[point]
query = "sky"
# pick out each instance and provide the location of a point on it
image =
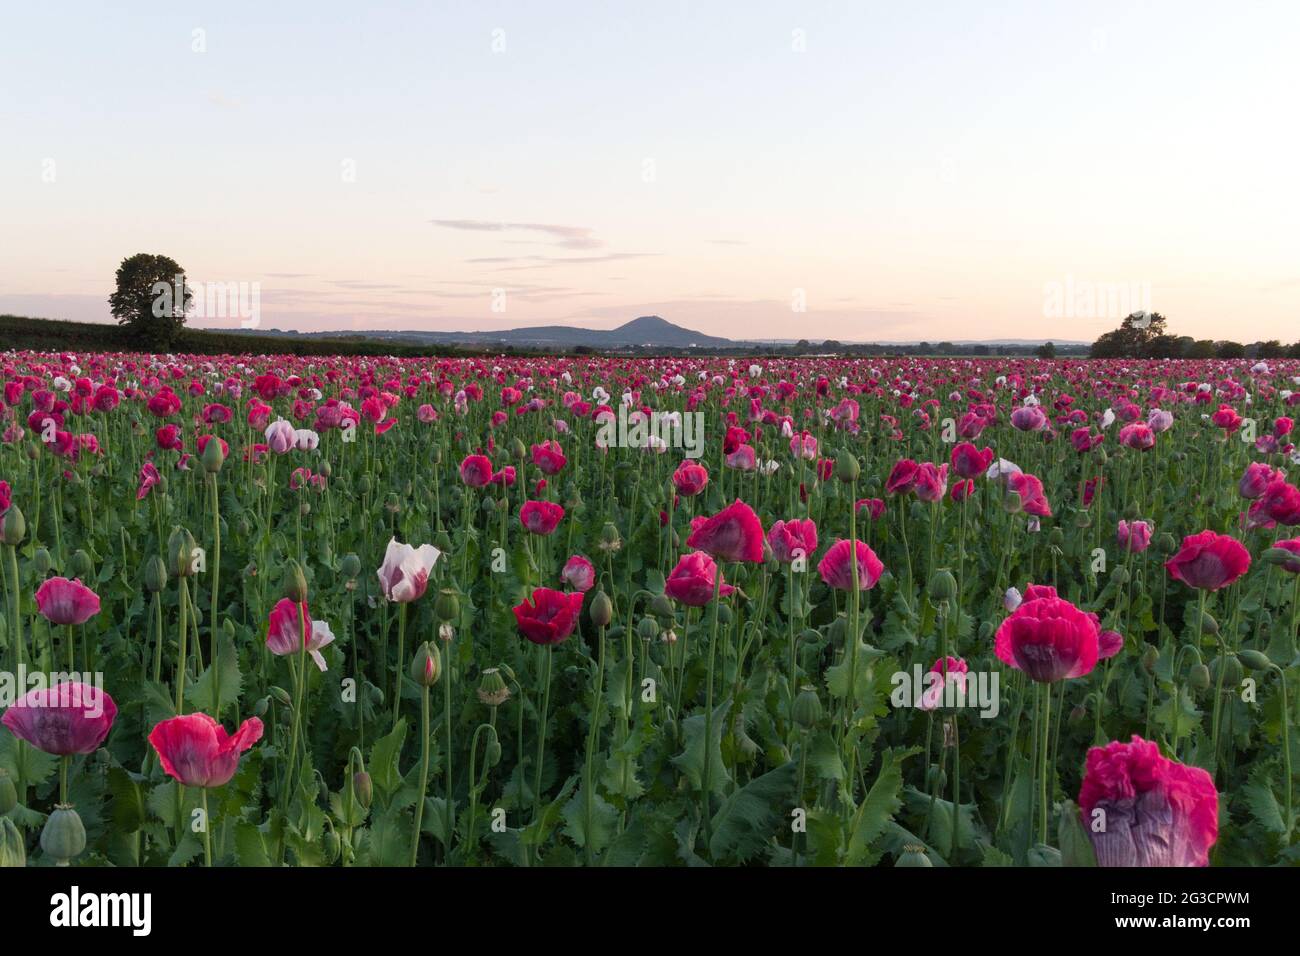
(857, 171)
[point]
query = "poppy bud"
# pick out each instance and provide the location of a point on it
(363, 788)
(1199, 676)
(846, 467)
(492, 688)
(1040, 854)
(936, 780)
(492, 752)
(80, 566)
(602, 610)
(517, 449)
(839, 627)
(426, 668)
(986, 631)
(213, 457)
(14, 527)
(42, 561)
(1150, 658)
(13, 851)
(363, 483)
(155, 574)
(261, 706)
(913, 856)
(1209, 625)
(1132, 512)
(180, 553)
(64, 835)
(8, 795)
(1083, 520)
(1166, 543)
(807, 710)
(1255, 660)
(662, 607)
(1056, 538)
(1077, 713)
(281, 696)
(331, 844)
(943, 586)
(647, 629)
(1120, 575)
(294, 585)
(442, 541)
(447, 606)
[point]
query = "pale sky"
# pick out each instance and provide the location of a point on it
(928, 170)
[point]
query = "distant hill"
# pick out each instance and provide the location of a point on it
(647, 331)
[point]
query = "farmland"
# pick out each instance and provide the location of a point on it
(416, 611)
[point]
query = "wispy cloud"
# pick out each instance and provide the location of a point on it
(519, 263)
(566, 237)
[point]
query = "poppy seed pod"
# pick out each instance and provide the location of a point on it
(1056, 538)
(80, 565)
(1120, 575)
(426, 668)
(1231, 670)
(294, 585)
(64, 835)
(13, 850)
(602, 609)
(492, 689)
(1083, 520)
(1132, 512)
(647, 629)
(846, 467)
(155, 574)
(807, 709)
(943, 586)
(14, 527)
(42, 561)
(350, 566)
(1166, 543)
(610, 539)
(447, 606)
(913, 856)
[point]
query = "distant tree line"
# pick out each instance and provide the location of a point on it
(1143, 335)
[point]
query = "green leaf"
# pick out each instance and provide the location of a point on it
(250, 847)
(128, 802)
(752, 816)
(691, 760)
(200, 693)
(879, 807)
(604, 821)
(384, 756)
(1262, 803)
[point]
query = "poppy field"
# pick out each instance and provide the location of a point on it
(600, 611)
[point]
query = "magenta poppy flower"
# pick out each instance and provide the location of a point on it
(549, 457)
(690, 478)
(1049, 639)
(692, 581)
(61, 601)
(287, 623)
(196, 750)
(1029, 418)
(476, 470)
(579, 573)
(1256, 479)
(792, 539)
(1133, 536)
(836, 570)
(1209, 560)
(1030, 492)
(970, 462)
(540, 517)
(901, 477)
(930, 482)
(1155, 811)
(68, 718)
(549, 616)
(733, 534)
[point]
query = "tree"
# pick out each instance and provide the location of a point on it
(1229, 350)
(152, 298)
(1046, 351)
